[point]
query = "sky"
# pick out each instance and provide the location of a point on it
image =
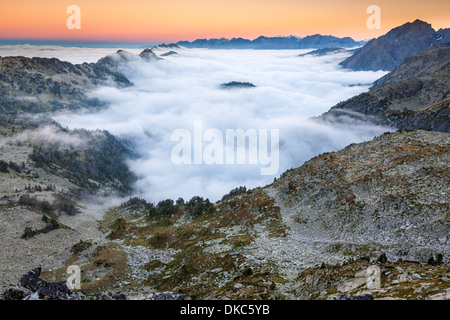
(174, 20)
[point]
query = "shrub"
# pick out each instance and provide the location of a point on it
(234, 192)
(164, 208)
(197, 205)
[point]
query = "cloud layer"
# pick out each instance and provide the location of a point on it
(181, 89)
(74, 55)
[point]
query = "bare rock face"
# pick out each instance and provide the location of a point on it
(388, 51)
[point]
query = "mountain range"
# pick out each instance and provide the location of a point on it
(311, 234)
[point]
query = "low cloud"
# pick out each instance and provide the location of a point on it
(50, 135)
(75, 55)
(176, 92)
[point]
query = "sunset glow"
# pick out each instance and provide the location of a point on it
(173, 20)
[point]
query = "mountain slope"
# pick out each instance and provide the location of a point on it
(42, 84)
(35, 85)
(414, 96)
(388, 52)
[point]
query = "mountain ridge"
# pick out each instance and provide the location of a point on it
(35, 85)
(388, 51)
(413, 96)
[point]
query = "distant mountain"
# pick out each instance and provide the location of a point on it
(167, 46)
(414, 96)
(113, 61)
(149, 55)
(42, 84)
(170, 53)
(324, 52)
(420, 65)
(291, 42)
(36, 85)
(237, 84)
(388, 52)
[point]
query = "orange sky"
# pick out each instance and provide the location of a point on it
(173, 20)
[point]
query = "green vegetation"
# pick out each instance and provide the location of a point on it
(51, 224)
(4, 166)
(80, 247)
(194, 207)
(198, 205)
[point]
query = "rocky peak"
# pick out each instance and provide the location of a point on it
(149, 55)
(115, 59)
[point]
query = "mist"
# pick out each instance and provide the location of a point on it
(183, 89)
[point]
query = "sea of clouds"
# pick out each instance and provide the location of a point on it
(184, 89)
(75, 55)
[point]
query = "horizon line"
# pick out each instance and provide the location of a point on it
(141, 42)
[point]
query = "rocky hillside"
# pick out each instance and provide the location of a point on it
(324, 52)
(423, 64)
(413, 96)
(35, 85)
(389, 51)
(307, 235)
(54, 185)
